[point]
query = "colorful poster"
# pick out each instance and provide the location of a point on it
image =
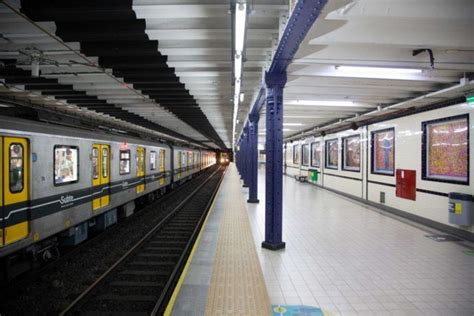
(305, 153)
(296, 154)
(332, 154)
(316, 154)
(384, 151)
(447, 150)
(352, 153)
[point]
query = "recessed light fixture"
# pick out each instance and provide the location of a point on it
(293, 124)
(376, 72)
(320, 103)
(239, 33)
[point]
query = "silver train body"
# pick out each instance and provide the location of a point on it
(108, 175)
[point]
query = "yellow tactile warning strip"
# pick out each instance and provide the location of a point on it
(237, 283)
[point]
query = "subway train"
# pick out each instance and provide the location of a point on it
(60, 183)
(407, 165)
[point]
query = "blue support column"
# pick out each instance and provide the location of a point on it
(274, 159)
(244, 158)
(238, 156)
(253, 158)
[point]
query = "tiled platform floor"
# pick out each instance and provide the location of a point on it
(351, 260)
(225, 277)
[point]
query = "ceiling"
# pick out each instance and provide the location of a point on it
(375, 33)
(165, 65)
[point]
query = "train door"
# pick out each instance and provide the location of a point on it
(162, 166)
(14, 189)
(101, 174)
(140, 167)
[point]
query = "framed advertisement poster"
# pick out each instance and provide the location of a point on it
(305, 155)
(332, 154)
(383, 152)
(445, 150)
(351, 153)
(296, 154)
(316, 154)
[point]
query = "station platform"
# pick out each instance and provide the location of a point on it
(341, 258)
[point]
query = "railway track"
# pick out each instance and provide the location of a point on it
(141, 281)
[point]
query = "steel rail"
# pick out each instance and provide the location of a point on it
(76, 302)
(187, 249)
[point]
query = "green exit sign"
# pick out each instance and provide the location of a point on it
(470, 99)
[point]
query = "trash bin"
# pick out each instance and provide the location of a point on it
(460, 209)
(313, 175)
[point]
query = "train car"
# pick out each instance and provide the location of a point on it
(58, 183)
(407, 166)
(208, 158)
(185, 162)
(223, 158)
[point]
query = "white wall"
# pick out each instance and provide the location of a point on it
(408, 155)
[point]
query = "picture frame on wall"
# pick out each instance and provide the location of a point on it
(351, 153)
(296, 154)
(305, 154)
(445, 150)
(332, 154)
(316, 154)
(383, 152)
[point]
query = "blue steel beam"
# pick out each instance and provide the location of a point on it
(300, 22)
(253, 159)
(245, 157)
(274, 162)
(302, 18)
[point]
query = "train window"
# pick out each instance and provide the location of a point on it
(66, 164)
(184, 157)
(153, 160)
(16, 168)
(95, 163)
(332, 154)
(124, 162)
(296, 154)
(105, 162)
(383, 152)
(351, 153)
(305, 154)
(316, 154)
(445, 150)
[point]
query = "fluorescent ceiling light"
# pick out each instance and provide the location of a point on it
(240, 19)
(293, 124)
(320, 103)
(238, 67)
(377, 72)
(310, 116)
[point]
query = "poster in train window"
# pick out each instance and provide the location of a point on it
(153, 160)
(16, 168)
(316, 154)
(124, 164)
(296, 154)
(446, 150)
(351, 152)
(66, 164)
(383, 152)
(332, 154)
(305, 154)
